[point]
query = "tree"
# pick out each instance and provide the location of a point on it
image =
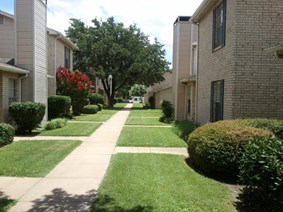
(110, 48)
(137, 90)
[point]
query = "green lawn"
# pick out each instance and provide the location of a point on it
(5, 204)
(156, 182)
(151, 137)
(145, 121)
(33, 158)
(101, 116)
(146, 113)
(73, 129)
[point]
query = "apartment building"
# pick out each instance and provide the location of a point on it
(29, 55)
(236, 77)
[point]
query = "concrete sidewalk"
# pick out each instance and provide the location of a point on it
(72, 184)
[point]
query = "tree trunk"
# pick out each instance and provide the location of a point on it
(110, 100)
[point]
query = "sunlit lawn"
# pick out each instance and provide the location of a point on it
(151, 137)
(34, 158)
(145, 121)
(101, 116)
(73, 129)
(156, 182)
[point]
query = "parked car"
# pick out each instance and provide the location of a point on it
(136, 99)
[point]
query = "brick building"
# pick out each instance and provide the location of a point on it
(236, 77)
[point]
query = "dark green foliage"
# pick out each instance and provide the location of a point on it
(184, 128)
(7, 133)
(261, 169)
(273, 125)
(119, 100)
(100, 106)
(90, 109)
(137, 90)
(58, 106)
(151, 101)
(56, 123)
(96, 98)
(216, 148)
(78, 104)
(27, 115)
(165, 119)
(167, 108)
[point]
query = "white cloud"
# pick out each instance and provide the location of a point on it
(155, 18)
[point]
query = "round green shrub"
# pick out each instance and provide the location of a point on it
(261, 169)
(90, 109)
(78, 105)
(216, 148)
(55, 124)
(167, 108)
(96, 98)
(58, 106)
(7, 133)
(27, 115)
(100, 106)
(273, 125)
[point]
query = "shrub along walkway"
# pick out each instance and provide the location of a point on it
(72, 184)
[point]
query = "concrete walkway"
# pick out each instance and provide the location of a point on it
(72, 184)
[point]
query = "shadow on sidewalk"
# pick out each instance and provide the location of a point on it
(5, 201)
(60, 200)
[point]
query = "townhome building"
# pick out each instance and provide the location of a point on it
(29, 55)
(237, 77)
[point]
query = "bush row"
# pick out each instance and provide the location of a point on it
(250, 150)
(7, 133)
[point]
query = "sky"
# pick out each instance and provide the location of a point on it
(154, 17)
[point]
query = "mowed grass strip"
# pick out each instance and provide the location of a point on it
(146, 113)
(72, 129)
(156, 182)
(100, 116)
(34, 158)
(149, 137)
(145, 121)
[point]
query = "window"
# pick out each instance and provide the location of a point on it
(219, 26)
(217, 97)
(67, 58)
(11, 91)
(1, 20)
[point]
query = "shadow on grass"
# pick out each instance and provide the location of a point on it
(105, 203)
(5, 202)
(222, 179)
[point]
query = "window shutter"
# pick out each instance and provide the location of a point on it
(211, 101)
(221, 98)
(224, 22)
(213, 29)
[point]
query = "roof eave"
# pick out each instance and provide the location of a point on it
(62, 38)
(12, 69)
(202, 10)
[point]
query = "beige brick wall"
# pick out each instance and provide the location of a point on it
(215, 65)
(165, 94)
(7, 38)
(259, 75)
(253, 79)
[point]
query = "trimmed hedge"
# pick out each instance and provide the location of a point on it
(96, 98)
(90, 109)
(27, 115)
(273, 125)
(55, 124)
(184, 128)
(100, 106)
(7, 133)
(261, 169)
(216, 148)
(167, 108)
(58, 106)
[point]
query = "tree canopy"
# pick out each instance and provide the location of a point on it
(137, 90)
(125, 53)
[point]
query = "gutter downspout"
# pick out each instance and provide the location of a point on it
(55, 56)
